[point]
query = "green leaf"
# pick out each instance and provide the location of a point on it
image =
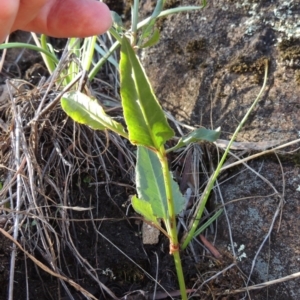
(147, 30)
(144, 208)
(151, 186)
(145, 119)
(208, 222)
(117, 20)
(153, 39)
(88, 111)
(200, 134)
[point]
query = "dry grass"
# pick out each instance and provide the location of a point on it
(44, 155)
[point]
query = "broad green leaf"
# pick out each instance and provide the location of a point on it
(200, 134)
(144, 208)
(88, 111)
(153, 39)
(145, 119)
(151, 187)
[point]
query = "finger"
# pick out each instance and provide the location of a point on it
(28, 11)
(69, 18)
(8, 14)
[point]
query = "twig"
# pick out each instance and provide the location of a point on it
(260, 154)
(260, 285)
(3, 55)
(17, 145)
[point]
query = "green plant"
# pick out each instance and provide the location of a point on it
(147, 128)
(158, 194)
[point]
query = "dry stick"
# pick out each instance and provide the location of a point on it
(260, 285)
(215, 276)
(19, 170)
(45, 238)
(46, 269)
(3, 54)
(53, 77)
(156, 275)
(44, 235)
(283, 190)
(57, 98)
(17, 144)
(259, 154)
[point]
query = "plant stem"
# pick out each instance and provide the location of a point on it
(180, 275)
(88, 52)
(102, 61)
(170, 222)
(199, 210)
(134, 21)
(48, 62)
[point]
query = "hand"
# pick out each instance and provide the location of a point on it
(57, 18)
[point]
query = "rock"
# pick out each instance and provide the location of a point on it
(207, 70)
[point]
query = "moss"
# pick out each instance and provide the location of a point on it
(128, 273)
(195, 50)
(285, 44)
(175, 47)
(292, 52)
(246, 65)
(196, 45)
(290, 49)
(297, 76)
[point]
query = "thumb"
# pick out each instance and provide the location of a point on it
(72, 18)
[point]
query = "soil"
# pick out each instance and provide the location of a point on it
(207, 70)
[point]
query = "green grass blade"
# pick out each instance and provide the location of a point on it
(88, 111)
(147, 30)
(103, 60)
(145, 119)
(170, 11)
(208, 222)
(47, 60)
(201, 205)
(31, 47)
